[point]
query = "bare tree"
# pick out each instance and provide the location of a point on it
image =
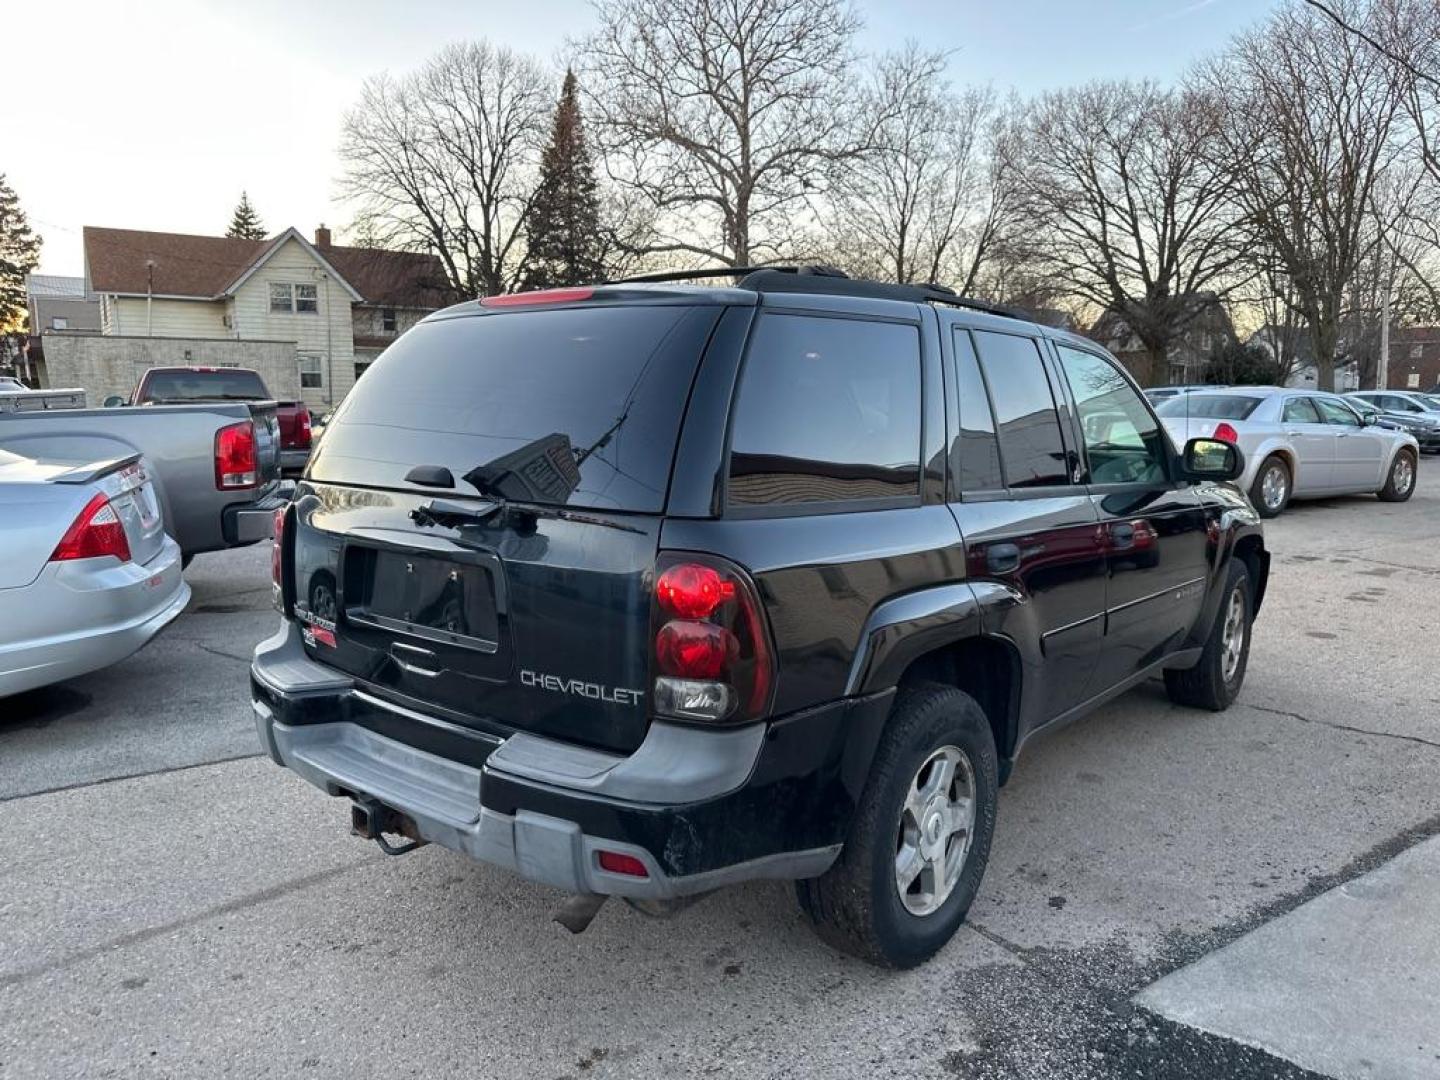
(906, 206)
(1130, 189)
(444, 160)
(726, 116)
(1311, 122)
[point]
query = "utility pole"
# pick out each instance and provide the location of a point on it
(1382, 363)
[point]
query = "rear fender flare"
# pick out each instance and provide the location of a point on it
(904, 628)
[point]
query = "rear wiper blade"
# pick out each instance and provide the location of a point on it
(455, 515)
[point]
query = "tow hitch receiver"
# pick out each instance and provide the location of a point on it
(371, 819)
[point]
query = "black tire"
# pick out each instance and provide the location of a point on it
(856, 905)
(1257, 489)
(1400, 480)
(1205, 686)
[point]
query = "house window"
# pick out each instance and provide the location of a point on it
(57, 323)
(1417, 351)
(312, 371)
(387, 320)
(286, 298)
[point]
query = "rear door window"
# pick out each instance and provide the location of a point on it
(828, 411)
(1031, 449)
(574, 406)
(975, 455)
(1301, 410)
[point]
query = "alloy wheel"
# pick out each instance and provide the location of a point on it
(937, 825)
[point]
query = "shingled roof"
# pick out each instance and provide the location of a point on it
(119, 261)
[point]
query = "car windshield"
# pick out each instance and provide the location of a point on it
(219, 385)
(1209, 406)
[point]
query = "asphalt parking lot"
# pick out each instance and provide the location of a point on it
(174, 905)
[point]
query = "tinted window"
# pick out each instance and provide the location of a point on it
(1209, 406)
(975, 455)
(1332, 412)
(223, 385)
(577, 406)
(1123, 443)
(828, 409)
(1031, 450)
(1301, 410)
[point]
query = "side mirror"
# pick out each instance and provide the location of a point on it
(114, 401)
(1212, 459)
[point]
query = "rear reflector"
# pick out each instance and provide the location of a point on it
(619, 863)
(97, 531)
(538, 296)
(235, 456)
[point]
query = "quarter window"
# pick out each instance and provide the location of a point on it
(1031, 448)
(1299, 410)
(1122, 440)
(828, 410)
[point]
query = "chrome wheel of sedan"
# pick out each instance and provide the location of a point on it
(936, 827)
(1402, 474)
(1232, 634)
(1274, 486)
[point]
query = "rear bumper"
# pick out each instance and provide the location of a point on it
(293, 462)
(248, 523)
(78, 617)
(699, 808)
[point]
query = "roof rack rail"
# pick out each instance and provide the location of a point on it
(725, 271)
(829, 280)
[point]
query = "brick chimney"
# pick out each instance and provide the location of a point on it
(322, 237)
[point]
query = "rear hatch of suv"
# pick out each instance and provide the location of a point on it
(477, 531)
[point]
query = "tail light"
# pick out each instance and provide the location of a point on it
(95, 532)
(1225, 433)
(303, 431)
(711, 653)
(235, 465)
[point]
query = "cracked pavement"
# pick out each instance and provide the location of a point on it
(171, 904)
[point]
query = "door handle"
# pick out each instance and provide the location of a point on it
(1002, 558)
(1292, 434)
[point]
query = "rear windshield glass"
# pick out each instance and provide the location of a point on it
(1208, 406)
(205, 386)
(568, 407)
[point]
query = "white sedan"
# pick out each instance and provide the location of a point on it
(88, 574)
(1300, 444)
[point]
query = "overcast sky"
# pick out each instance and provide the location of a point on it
(155, 114)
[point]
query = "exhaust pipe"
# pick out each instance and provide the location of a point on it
(577, 912)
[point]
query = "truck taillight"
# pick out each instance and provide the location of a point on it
(303, 431)
(235, 465)
(96, 531)
(711, 651)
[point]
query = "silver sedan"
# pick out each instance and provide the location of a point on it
(87, 575)
(1298, 444)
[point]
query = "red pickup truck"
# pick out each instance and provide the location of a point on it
(183, 385)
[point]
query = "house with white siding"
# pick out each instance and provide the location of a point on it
(339, 306)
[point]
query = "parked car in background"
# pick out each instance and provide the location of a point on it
(1401, 403)
(20, 398)
(1298, 444)
(1425, 428)
(183, 385)
(1157, 394)
(716, 584)
(215, 466)
(89, 575)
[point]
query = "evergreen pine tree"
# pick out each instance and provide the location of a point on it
(565, 245)
(245, 222)
(19, 254)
